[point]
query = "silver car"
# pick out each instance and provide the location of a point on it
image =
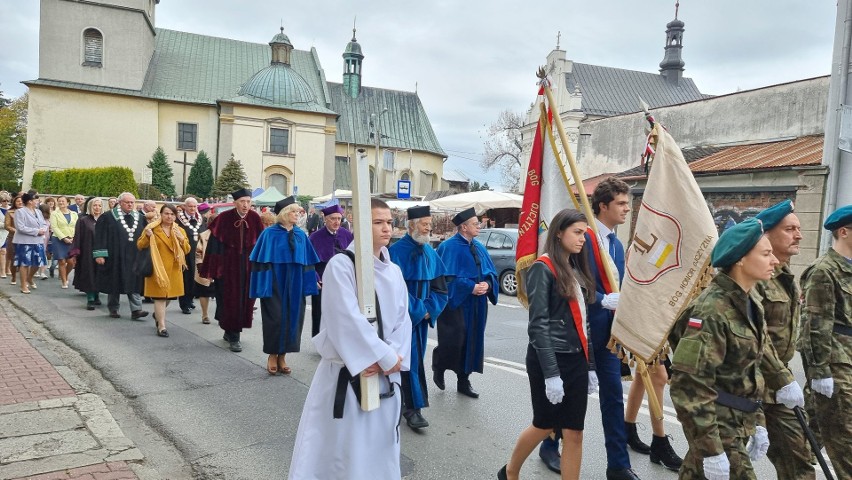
(501, 244)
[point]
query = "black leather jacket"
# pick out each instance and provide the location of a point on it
(551, 328)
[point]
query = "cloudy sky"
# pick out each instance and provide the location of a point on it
(471, 59)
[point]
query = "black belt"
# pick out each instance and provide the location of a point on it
(843, 329)
(742, 404)
(344, 378)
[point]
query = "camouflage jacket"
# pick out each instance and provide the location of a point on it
(716, 347)
(781, 309)
(827, 288)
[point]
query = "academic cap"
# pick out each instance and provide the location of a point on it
(281, 204)
(840, 218)
(243, 192)
(332, 210)
(203, 207)
(773, 215)
(464, 216)
(736, 242)
(418, 212)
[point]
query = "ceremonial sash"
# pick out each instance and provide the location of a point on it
(598, 261)
(576, 312)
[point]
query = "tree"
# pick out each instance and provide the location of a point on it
(474, 187)
(232, 178)
(13, 141)
(502, 148)
(200, 181)
(161, 172)
(485, 186)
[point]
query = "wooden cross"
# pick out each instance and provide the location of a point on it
(184, 163)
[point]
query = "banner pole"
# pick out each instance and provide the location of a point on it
(641, 368)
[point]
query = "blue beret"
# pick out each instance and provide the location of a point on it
(735, 243)
(840, 218)
(773, 215)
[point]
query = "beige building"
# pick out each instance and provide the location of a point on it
(112, 88)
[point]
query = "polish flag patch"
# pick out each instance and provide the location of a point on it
(695, 323)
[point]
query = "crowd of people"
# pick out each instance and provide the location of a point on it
(731, 385)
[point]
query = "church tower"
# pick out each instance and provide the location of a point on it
(671, 68)
(106, 43)
(352, 58)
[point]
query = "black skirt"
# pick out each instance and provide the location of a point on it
(200, 290)
(571, 412)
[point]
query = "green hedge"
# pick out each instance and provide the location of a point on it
(102, 181)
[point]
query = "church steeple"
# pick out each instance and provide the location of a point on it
(281, 48)
(671, 68)
(352, 58)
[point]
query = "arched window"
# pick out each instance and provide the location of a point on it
(278, 181)
(93, 48)
(405, 176)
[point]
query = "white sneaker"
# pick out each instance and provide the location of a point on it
(43, 276)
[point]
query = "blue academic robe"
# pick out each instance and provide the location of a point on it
(423, 271)
(282, 274)
(461, 347)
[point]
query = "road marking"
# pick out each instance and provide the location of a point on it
(507, 305)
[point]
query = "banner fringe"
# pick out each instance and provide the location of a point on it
(522, 264)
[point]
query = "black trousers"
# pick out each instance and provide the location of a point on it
(316, 313)
(449, 354)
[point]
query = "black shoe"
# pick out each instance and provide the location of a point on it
(147, 300)
(663, 454)
(98, 303)
(90, 306)
(415, 419)
(637, 445)
(163, 333)
(549, 453)
(185, 311)
(465, 388)
(137, 314)
(501, 475)
(51, 272)
(114, 314)
(438, 377)
(623, 474)
(192, 306)
(235, 346)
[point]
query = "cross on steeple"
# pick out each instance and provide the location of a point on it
(558, 37)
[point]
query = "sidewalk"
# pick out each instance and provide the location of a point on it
(49, 431)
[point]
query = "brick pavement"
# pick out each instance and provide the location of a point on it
(101, 471)
(25, 375)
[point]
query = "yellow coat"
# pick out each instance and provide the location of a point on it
(165, 260)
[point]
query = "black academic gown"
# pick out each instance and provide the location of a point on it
(189, 273)
(116, 275)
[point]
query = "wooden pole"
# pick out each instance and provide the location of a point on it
(364, 274)
(641, 368)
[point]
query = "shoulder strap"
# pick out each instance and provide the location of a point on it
(381, 332)
(574, 305)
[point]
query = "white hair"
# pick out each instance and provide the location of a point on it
(124, 194)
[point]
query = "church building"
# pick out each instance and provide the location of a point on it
(113, 87)
(585, 92)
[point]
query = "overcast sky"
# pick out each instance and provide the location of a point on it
(472, 59)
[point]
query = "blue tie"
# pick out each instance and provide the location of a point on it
(611, 237)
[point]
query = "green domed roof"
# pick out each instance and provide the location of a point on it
(353, 47)
(281, 38)
(281, 85)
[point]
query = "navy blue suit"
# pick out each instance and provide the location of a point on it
(608, 366)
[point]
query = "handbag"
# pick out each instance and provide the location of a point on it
(143, 265)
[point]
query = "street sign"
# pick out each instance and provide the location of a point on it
(403, 189)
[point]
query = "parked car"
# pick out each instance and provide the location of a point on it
(501, 244)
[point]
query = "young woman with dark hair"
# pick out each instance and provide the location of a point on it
(559, 284)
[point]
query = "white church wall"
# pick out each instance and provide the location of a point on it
(206, 119)
(75, 129)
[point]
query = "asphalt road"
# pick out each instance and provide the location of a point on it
(231, 420)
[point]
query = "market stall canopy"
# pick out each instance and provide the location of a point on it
(405, 204)
(480, 201)
(337, 194)
(268, 198)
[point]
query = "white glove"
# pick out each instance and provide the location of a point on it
(758, 444)
(717, 467)
(593, 382)
(610, 301)
(554, 390)
(824, 386)
(791, 396)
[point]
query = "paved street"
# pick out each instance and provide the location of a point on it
(230, 420)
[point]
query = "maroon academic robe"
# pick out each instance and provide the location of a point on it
(227, 262)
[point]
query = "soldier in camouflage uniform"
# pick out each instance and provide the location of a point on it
(788, 447)
(827, 339)
(722, 357)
